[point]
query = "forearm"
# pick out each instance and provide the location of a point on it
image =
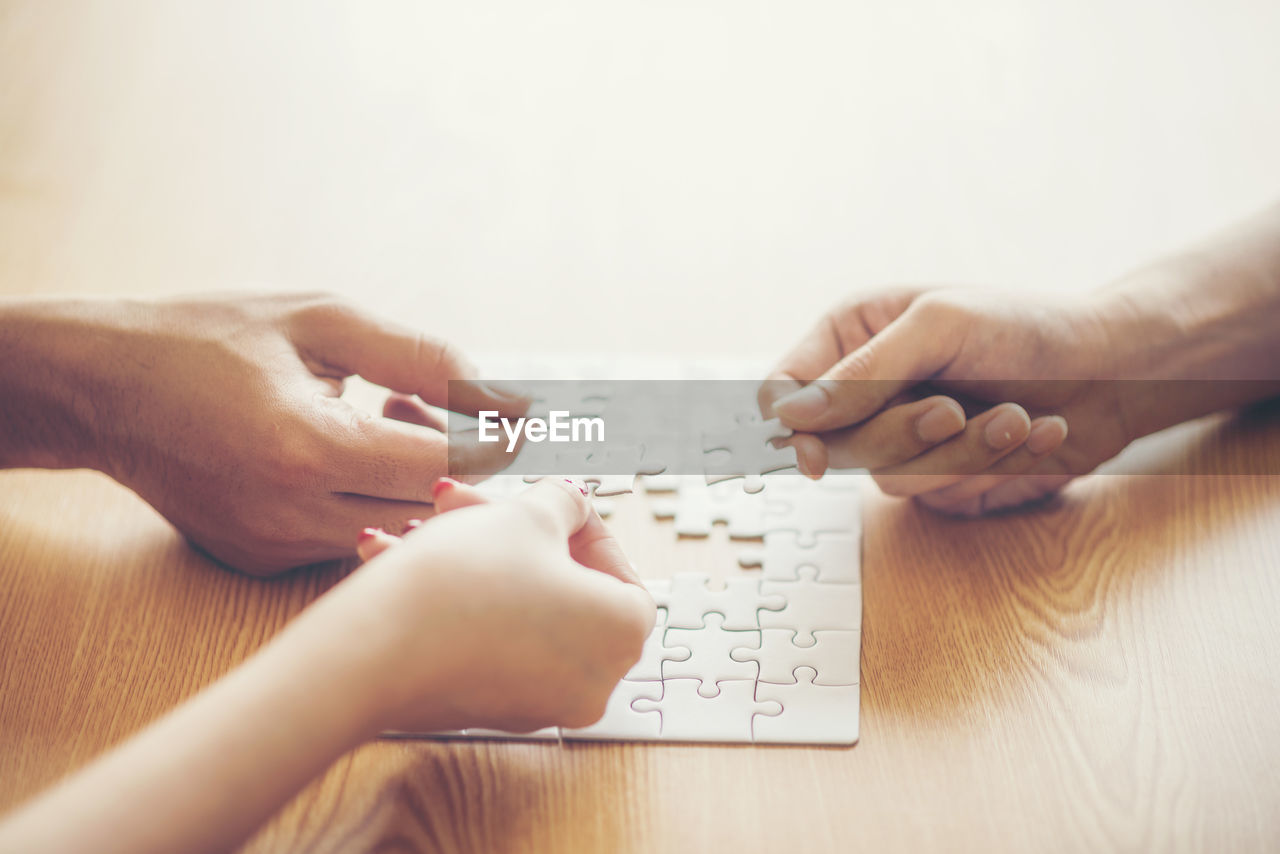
(1199, 331)
(205, 776)
(50, 352)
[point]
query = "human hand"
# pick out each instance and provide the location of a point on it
(224, 414)
(1029, 369)
(512, 615)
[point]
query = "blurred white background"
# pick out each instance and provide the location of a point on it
(696, 177)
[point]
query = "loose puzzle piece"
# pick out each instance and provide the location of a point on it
(708, 656)
(621, 720)
(575, 396)
(813, 713)
(746, 450)
(835, 656)
(661, 482)
(698, 506)
(836, 557)
(812, 606)
(837, 480)
(687, 715)
(740, 602)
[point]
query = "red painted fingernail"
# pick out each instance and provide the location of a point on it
(369, 534)
(581, 487)
(442, 485)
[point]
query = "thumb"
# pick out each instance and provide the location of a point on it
(558, 505)
(909, 350)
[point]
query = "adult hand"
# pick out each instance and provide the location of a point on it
(1027, 368)
(224, 413)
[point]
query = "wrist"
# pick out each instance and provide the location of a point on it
(1187, 337)
(50, 353)
(347, 646)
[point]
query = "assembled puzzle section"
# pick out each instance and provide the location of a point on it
(769, 656)
(772, 654)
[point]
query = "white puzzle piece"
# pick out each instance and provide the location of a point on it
(812, 606)
(698, 506)
(687, 715)
(621, 721)
(809, 510)
(708, 656)
(746, 449)
(835, 556)
(835, 656)
(689, 599)
(773, 656)
(661, 482)
(825, 714)
(655, 652)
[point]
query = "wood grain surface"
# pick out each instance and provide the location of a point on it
(1100, 674)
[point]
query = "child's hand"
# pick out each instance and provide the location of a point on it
(513, 615)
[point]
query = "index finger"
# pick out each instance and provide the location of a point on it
(841, 331)
(401, 359)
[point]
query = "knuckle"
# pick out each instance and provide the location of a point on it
(438, 357)
(324, 309)
(857, 364)
(294, 462)
(937, 307)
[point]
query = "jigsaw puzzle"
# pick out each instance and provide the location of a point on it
(698, 506)
(772, 654)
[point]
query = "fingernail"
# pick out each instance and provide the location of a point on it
(442, 485)
(368, 535)
(806, 404)
(1046, 434)
(1005, 430)
(939, 422)
(413, 523)
(577, 484)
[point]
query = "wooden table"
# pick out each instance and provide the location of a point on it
(1099, 674)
